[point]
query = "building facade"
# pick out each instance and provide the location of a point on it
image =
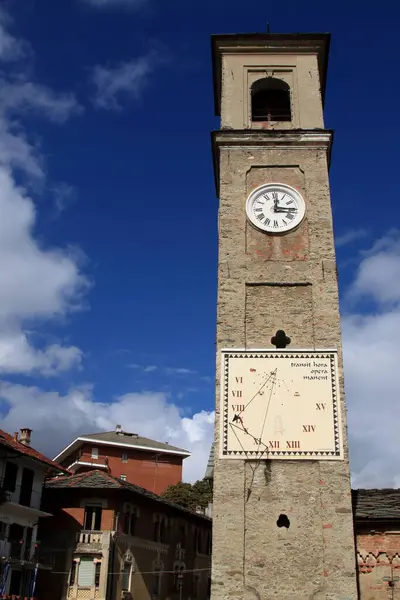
(377, 527)
(110, 539)
(133, 458)
(22, 474)
(282, 516)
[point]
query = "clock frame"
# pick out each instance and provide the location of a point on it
(275, 208)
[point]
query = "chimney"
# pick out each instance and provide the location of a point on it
(16, 436)
(118, 428)
(25, 436)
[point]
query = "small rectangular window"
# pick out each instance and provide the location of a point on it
(123, 477)
(196, 581)
(97, 574)
(95, 453)
(10, 477)
(124, 457)
(92, 518)
(72, 574)
(156, 583)
(126, 576)
(26, 487)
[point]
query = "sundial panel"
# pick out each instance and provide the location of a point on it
(280, 405)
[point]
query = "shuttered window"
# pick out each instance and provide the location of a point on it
(126, 575)
(86, 572)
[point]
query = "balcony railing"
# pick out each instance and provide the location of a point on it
(86, 459)
(88, 537)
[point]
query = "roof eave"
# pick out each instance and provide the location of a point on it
(81, 439)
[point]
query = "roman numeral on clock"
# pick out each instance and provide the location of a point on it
(261, 216)
(275, 223)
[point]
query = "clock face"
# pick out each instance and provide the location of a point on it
(280, 405)
(275, 208)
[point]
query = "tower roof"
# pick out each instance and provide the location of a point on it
(286, 43)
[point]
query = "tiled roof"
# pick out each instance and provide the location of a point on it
(10, 442)
(376, 504)
(99, 480)
(124, 437)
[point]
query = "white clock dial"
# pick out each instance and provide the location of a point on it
(275, 208)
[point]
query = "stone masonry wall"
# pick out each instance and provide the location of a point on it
(269, 283)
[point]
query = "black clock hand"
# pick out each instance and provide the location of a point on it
(285, 209)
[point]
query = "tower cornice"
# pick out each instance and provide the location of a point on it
(282, 138)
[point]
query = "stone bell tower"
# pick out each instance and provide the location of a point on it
(282, 516)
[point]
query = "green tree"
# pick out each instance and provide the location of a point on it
(190, 495)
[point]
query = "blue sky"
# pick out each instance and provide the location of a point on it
(108, 216)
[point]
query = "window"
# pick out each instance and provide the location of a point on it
(160, 530)
(92, 519)
(10, 477)
(156, 582)
(95, 453)
(196, 582)
(16, 537)
(208, 543)
(270, 100)
(182, 535)
(124, 457)
(26, 487)
(3, 529)
(72, 573)
(130, 517)
(197, 539)
(123, 477)
(97, 574)
(28, 543)
(86, 572)
(178, 577)
(126, 576)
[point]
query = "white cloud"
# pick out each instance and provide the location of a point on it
(372, 375)
(22, 96)
(57, 420)
(350, 236)
(11, 48)
(179, 371)
(127, 80)
(117, 3)
(17, 355)
(167, 370)
(378, 277)
(37, 283)
(63, 194)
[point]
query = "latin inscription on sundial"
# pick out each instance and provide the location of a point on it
(280, 405)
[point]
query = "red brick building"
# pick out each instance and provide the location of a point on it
(109, 540)
(128, 456)
(377, 528)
